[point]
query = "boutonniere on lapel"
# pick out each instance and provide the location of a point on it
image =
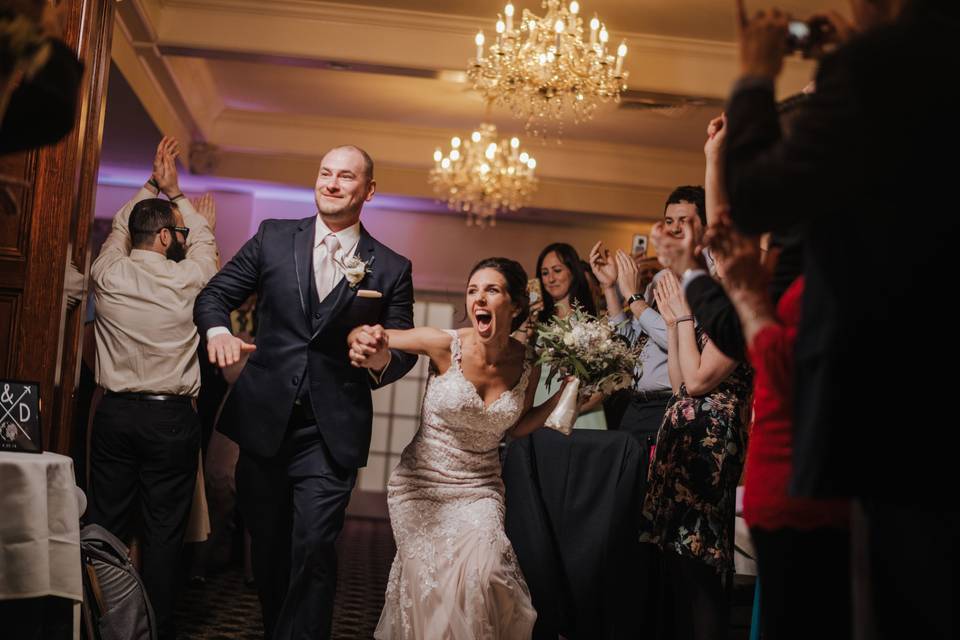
(354, 269)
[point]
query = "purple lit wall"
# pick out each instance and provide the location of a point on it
(441, 246)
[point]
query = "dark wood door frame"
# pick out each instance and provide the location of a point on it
(45, 223)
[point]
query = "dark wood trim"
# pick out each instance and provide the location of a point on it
(47, 347)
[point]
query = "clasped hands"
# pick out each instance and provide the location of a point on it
(369, 347)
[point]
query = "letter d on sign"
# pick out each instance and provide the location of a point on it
(24, 412)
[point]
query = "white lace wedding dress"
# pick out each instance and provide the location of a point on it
(455, 575)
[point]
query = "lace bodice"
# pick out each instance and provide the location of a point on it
(452, 405)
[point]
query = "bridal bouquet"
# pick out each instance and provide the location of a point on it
(590, 350)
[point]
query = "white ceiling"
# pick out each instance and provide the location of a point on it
(421, 102)
(253, 78)
(697, 19)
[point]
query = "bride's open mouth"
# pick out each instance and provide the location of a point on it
(484, 322)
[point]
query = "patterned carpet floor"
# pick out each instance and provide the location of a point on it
(226, 609)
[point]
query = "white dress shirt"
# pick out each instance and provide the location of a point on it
(146, 338)
(348, 238)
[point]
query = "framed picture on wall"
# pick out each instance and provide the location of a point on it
(639, 245)
(20, 416)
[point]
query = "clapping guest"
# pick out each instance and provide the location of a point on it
(146, 433)
(624, 283)
(689, 507)
(619, 278)
(802, 544)
(564, 284)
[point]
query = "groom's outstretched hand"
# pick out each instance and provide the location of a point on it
(226, 350)
(369, 347)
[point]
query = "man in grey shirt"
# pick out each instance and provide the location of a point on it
(617, 274)
(651, 388)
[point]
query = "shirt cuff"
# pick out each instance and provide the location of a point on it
(216, 331)
(377, 376)
(690, 275)
(618, 318)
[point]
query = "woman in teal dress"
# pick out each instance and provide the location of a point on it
(563, 283)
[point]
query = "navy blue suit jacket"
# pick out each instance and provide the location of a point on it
(297, 337)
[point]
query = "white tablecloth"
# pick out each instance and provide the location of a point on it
(39, 527)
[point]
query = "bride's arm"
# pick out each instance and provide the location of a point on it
(427, 341)
(423, 341)
(534, 417)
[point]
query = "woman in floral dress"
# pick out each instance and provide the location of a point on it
(689, 507)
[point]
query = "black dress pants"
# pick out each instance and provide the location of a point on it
(804, 583)
(642, 420)
(143, 465)
(293, 505)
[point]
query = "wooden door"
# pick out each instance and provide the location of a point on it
(46, 207)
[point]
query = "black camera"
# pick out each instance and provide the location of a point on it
(808, 37)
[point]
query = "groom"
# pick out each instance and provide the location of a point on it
(300, 413)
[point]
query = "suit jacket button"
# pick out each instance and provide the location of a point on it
(296, 380)
(317, 315)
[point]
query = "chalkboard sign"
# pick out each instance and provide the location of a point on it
(20, 416)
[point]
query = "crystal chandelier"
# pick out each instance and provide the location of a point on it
(543, 67)
(482, 175)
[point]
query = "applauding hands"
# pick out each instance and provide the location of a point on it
(679, 253)
(671, 302)
(165, 167)
(617, 270)
(206, 207)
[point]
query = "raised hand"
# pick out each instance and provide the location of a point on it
(662, 307)
(165, 166)
(671, 302)
(225, 350)
(763, 41)
(716, 137)
(207, 208)
(739, 259)
(626, 274)
(603, 266)
(369, 347)
(679, 254)
(832, 31)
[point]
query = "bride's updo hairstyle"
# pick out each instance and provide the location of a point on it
(516, 279)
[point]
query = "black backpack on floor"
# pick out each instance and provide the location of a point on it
(116, 606)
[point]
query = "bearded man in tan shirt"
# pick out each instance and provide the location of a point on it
(146, 433)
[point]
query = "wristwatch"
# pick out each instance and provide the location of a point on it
(637, 297)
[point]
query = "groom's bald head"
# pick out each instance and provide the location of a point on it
(365, 157)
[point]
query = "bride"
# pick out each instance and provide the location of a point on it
(455, 575)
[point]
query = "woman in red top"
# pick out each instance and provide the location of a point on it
(802, 544)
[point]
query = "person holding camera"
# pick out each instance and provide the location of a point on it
(856, 163)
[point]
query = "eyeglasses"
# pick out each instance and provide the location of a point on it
(184, 230)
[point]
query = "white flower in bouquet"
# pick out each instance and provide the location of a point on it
(590, 350)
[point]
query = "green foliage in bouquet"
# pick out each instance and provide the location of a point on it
(588, 348)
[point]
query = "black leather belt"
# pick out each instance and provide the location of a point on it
(139, 395)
